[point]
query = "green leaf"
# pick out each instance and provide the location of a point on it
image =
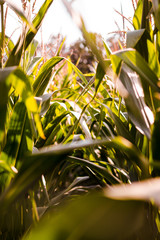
(145, 15)
(4, 90)
(14, 134)
(21, 83)
(9, 45)
(96, 168)
(135, 61)
(13, 141)
(156, 10)
(121, 128)
(138, 15)
(44, 75)
(99, 75)
(129, 87)
(36, 164)
(153, 61)
(77, 71)
(93, 217)
(49, 130)
(154, 143)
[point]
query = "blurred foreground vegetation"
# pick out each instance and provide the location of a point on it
(80, 132)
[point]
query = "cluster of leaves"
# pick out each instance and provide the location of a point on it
(80, 136)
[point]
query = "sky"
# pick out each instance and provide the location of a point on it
(99, 16)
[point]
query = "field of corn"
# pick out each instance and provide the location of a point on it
(80, 131)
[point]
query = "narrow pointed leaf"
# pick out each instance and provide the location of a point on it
(44, 75)
(135, 61)
(96, 168)
(133, 37)
(13, 140)
(4, 90)
(93, 217)
(36, 164)
(137, 19)
(131, 90)
(23, 87)
(156, 10)
(147, 190)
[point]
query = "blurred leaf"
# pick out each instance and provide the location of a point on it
(154, 143)
(156, 10)
(36, 164)
(6, 167)
(60, 47)
(14, 134)
(33, 64)
(9, 45)
(96, 168)
(91, 42)
(145, 15)
(4, 90)
(45, 103)
(147, 190)
(133, 37)
(107, 48)
(138, 39)
(92, 217)
(138, 15)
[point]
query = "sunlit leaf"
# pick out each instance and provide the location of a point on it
(135, 61)
(44, 74)
(147, 190)
(131, 90)
(138, 15)
(4, 90)
(22, 85)
(156, 9)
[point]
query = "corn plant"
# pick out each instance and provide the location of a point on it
(80, 136)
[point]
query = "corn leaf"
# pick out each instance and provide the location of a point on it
(156, 10)
(93, 217)
(22, 85)
(36, 164)
(44, 75)
(135, 61)
(131, 90)
(137, 19)
(4, 90)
